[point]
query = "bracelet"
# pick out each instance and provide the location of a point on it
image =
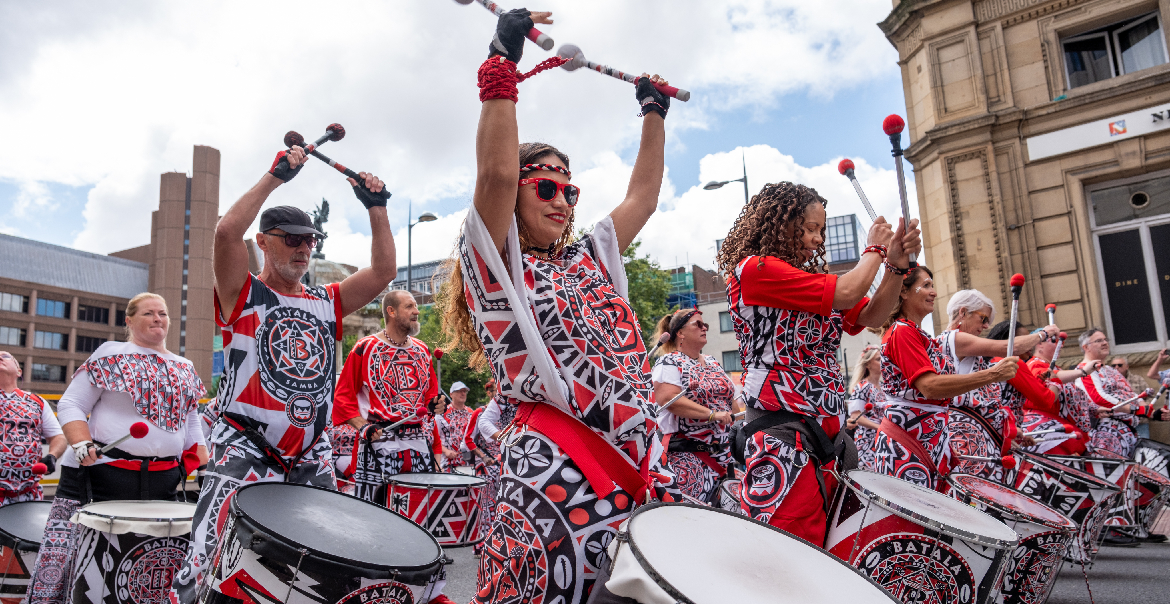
(1040, 332)
(880, 249)
(897, 271)
(711, 417)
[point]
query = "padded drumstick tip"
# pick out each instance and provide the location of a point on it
(1050, 308)
(1009, 462)
(1017, 280)
(893, 124)
(573, 53)
(40, 468)
(438, 353)
(465, 2)
(139, 429)
(845, 166)
(336, 132)
(294, 139)
(1063, 336)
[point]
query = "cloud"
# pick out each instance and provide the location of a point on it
(33, 196)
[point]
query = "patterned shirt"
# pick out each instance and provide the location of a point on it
(26, 419)
(383, 382)
(279, 366)
(987, 401)
(458, 420)
(788, 336)
(705, 383)
(907, 354)
(1106, 387)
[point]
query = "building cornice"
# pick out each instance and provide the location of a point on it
(901, 14)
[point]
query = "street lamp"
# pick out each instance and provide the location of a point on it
(715, 184)
(425, 217)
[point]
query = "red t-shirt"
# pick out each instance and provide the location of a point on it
(908, 353)
(383, 382)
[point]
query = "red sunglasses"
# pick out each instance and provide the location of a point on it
(547, 189)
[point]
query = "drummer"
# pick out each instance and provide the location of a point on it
(920, 382)
(789, 314)
(27, 420)
(121, 383)
(388, 378)
(457, 416)
(1116, 431)
(483, 439)
(696, 426)
(866, 404)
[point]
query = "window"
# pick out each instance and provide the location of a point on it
(725, 322)
(52, 308)
(43, 372)
(731, 361)
(89, 343)
(841, 238)
(1118, 49)
(51, 340)
(12, 336)
(120, 318)
(93, 314)
(13, 302)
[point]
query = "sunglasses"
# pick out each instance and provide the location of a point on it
(701, 325)
(986, 319)
(547, 189)
(296, 240)
(1117, 365)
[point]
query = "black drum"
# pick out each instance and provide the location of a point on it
(295, 543)
(22, 528)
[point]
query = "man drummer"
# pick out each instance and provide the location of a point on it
(276, 392)
(1116, 432)
(27, 420)
(458, 415)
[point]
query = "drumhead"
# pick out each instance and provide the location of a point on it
(22, 525)
(1055, 467)
(1010, 501)
(334, 527)
(664, 538)
(468, 470)
(155, 518)
(931, 509)
(440, 481)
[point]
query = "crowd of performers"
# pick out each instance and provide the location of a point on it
(578, 431)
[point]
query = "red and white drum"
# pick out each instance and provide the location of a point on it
(1045, 536)
(729, 494)
(1118, 471)
(654, 561)
(22, 528)
(918, 544)
(1082, 497)
(129, 551)
(447, 505)
(1153, 494)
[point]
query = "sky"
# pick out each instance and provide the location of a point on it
(98, 98)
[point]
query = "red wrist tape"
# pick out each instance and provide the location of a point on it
(498, 77)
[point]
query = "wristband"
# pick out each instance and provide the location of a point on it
(711, 417)
(902, 272)
(1040, 332)
(881, 250)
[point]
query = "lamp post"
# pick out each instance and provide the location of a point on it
(715, 184)
(425, 217)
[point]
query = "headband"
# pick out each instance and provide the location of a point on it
(673, 331)
(547, 167)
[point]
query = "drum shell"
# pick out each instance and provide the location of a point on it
(1084, 499)
(1154, 493)
(729, 494)
(449, 513)
(19, 553)
(126, 568)
(1154, 455)
(1120, 472)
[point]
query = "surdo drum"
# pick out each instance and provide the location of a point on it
(22, 528)
(1153, 493)
(1082, 497)
(447, 505)
(1120, 472)
(129, 551)
(654, 561)
(1154, 455)
(1045, 535)
(729, 494)
(295, 543)
(918, 544)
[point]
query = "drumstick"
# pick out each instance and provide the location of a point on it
(662, 339)
(673, 400)
(577, 59)
(1051, 310)
(1017, 283)
(1007, 461)
(137, 430)
(1049, 431)
(540, 39)
(846, 169)
(735, 416)
(1144, 394)
(893, 126)
(1056, 353)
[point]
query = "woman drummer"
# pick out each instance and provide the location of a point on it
(866, 403)
(553, 316)
(697, 426)
(789, 314)
(979, 420)
(919, 381)
(122, 383)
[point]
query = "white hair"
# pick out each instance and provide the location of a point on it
(970, 300)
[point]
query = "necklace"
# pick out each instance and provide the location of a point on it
(386, 332)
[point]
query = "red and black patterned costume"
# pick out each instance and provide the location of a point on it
(275, 401)
(27, 420)
(975, 420)
(788, 336)
(698, 473)
(1070, 407)
(385, 383)
(912, 444)
(866, 394)
(1106, 387)
(485, 422)
(564, 344)
(457, 422)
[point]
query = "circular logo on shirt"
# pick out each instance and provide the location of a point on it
(302, 410)
(145, 575)
(917, 568)
(295, 350)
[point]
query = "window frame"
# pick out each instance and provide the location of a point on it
(730, 322)
(23, 303)
(48, 368)
(1120, 67)
(64, 340)
(738, 361)
(21, 336)
(1078, 38)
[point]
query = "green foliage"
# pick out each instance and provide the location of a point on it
(455, 366)
(347, 344)
(649, 285)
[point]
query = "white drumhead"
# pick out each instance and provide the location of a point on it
(934, 508)
(715, 557)
(155, 518)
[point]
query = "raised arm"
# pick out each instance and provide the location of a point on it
(646, 180)
(363, 286)
(903, 243)
(967, 345)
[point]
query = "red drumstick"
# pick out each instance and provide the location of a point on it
(577, 59)
(137, 430)
(1056, 353)
(539, 38)
(1017, 283)
(893, 126)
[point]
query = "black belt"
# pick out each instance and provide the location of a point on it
(271, 456)
(143, 469)
(686, 445)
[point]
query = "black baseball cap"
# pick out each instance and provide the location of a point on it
(293, 221)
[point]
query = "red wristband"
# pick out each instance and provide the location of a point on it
(880, 249)
(498, 79)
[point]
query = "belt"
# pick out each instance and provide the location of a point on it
(135, 463)
(701, 450)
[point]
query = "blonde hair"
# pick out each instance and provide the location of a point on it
(861, 369)
(132, 306)
(671, 324)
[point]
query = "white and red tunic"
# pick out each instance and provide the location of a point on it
(458, 420)
(789, 334)
(279, 361)
(866, 394)
(1106, 387)
(27, 420)
(1070, 406)
(907, 354)
(697, 473)
(975, 422)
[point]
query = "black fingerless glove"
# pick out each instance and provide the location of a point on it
(50, 462)
(511, 29)
(281, 169)
(367, 432)
(650, 99)
(369, 198)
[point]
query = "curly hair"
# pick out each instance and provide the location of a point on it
(457, 325)
(771, 225)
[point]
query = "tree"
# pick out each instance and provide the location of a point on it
(455, 362)
(648, 285)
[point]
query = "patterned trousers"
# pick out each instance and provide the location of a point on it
(695, 478)
(52, 574)
(930, 430)
(487, 499)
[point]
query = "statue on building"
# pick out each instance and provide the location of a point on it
(320, 217)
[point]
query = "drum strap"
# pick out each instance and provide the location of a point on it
(601, 463)
(996, 435)
(244, 425)
(909, 443)
(806, 433)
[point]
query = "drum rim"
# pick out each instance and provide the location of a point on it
(19, 543)
(82, 510)
(1026, 515)
(1080, 475)
(681, 597)
(237, 513)
(917, 518)
(403, 479)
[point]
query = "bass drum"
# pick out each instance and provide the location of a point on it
(22, 528)
(729, 495)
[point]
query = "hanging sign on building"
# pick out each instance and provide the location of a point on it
(1100, 132)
